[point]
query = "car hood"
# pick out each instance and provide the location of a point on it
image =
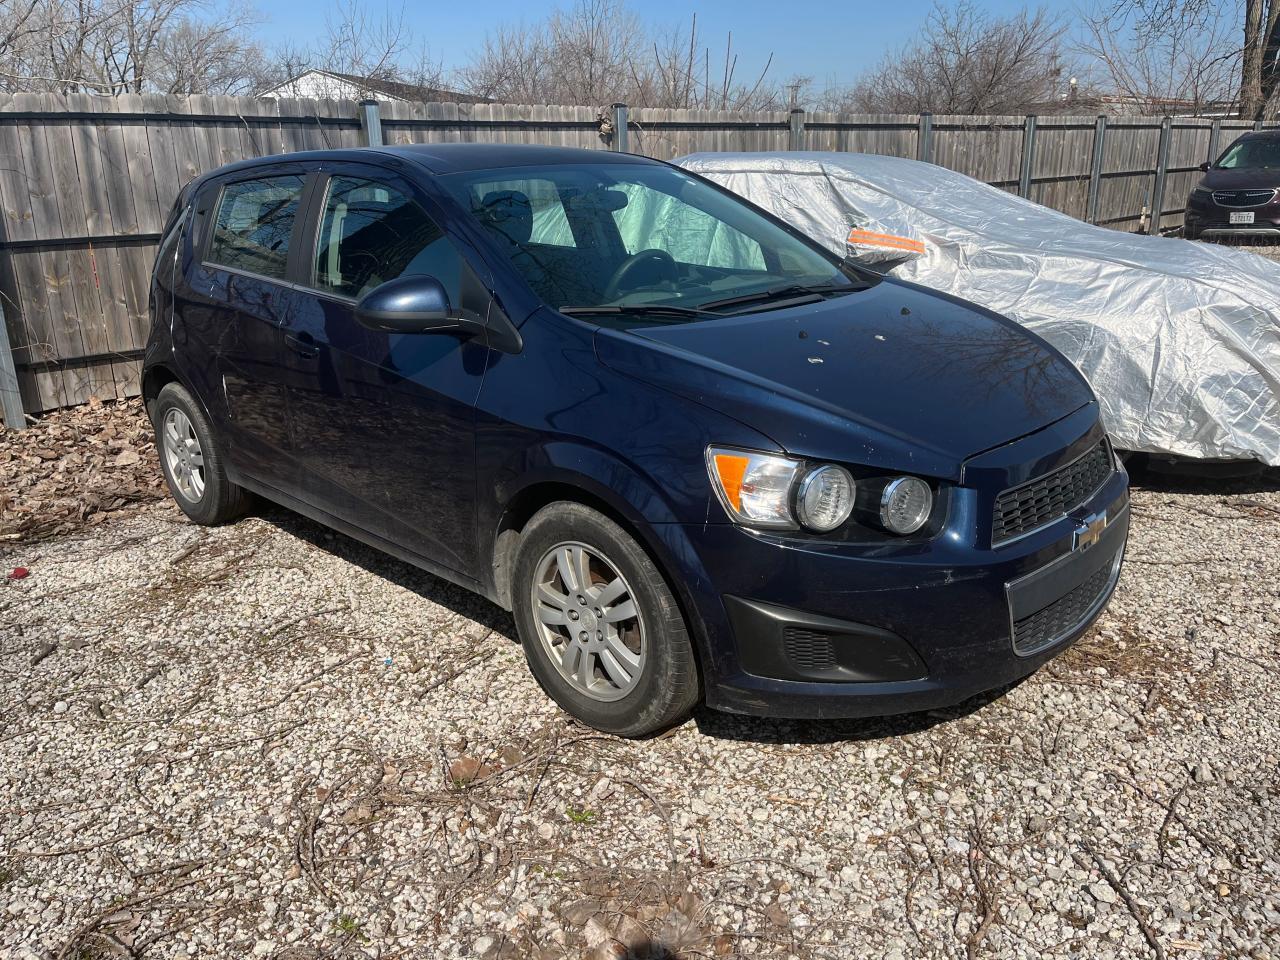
(1258, 178)
(895, 376)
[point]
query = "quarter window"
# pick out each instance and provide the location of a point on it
(371, 233)
(254, 223)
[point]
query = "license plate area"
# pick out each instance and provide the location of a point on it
(1050, 593)
(1242, 218)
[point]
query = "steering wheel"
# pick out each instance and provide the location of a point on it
(658, 261)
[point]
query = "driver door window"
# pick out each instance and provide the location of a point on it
(371, 233)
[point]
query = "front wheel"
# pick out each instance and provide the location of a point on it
(601, 630)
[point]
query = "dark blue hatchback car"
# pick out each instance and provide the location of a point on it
(696, 455)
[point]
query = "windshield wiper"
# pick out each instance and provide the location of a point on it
(638, 309)
(787, 290)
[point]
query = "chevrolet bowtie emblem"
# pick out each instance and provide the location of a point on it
(1090, 531)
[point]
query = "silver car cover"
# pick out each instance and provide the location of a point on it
(1180, 340)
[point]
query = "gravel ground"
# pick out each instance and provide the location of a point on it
(266, 740)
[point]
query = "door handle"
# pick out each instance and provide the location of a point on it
(303, 344)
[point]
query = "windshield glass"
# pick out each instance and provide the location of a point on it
(1251, 154)
(627, 238)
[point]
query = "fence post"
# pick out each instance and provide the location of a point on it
(1028, 155)
(10, 397)
(1215, 131)
(796, 139)
(620, 139)
(1257, 124)
(924, 149)
(370, 123)
(1162, 173)
(1095, 168)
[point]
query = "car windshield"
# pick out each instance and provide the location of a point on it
(1251, 154)
(619, 240)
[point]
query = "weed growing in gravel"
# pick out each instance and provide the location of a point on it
(349, 927)
(580, 817)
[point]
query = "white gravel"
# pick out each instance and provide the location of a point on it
(266, 740)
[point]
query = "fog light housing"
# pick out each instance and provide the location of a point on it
(905, 505)
(825, 498)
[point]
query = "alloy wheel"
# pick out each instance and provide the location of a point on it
(183, 455)
(588, 621)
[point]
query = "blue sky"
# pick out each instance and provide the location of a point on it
(830, 41)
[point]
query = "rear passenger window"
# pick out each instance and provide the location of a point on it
(254, 222)
(371, 233)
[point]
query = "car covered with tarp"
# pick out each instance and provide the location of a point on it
(1180, 340)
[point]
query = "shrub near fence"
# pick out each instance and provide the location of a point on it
(86, 182)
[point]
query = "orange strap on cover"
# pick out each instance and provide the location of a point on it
(871, 239)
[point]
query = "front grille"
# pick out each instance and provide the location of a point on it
(1243, 198)
(1022, 509)
(1050, 624)
(808, 650)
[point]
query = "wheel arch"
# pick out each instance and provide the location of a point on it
(525, 504)
(157, 376)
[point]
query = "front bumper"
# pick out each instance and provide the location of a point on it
(1209, 219)
(822, 630)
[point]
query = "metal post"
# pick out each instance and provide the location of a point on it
(924, 149)
(1257, 124)
(1162, 173)
(796, 140)
(620, 139)
(370, 123)
(1028, 155)
(1215, 131)
(1095, 168)
(10, 397)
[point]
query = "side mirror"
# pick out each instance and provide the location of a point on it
(413, 304)
(1205, 166)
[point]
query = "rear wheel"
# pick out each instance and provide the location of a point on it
(600, 627)
(192, 465)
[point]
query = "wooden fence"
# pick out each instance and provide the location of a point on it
(86, 182)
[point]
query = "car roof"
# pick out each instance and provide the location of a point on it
(444, 158)
(458, 157)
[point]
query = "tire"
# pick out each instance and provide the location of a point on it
(649, 690)
(197, 479)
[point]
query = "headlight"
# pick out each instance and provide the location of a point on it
(754, 487)
(825, 499)
(768, 490)
(905, 505)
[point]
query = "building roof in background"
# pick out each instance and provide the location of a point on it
(350, 85)
(1125, 105)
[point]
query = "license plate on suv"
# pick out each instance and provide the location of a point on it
(1242, 218)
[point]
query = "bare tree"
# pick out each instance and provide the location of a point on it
(1255, 54)
(967, 62)
(118, 46)
(1183, 60)
(597, 52)
(220, 57)
(361, 47)
(683, 73)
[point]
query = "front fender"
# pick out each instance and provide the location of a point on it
(578, 471)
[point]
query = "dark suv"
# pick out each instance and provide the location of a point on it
(695, 454)
(1239, 195)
